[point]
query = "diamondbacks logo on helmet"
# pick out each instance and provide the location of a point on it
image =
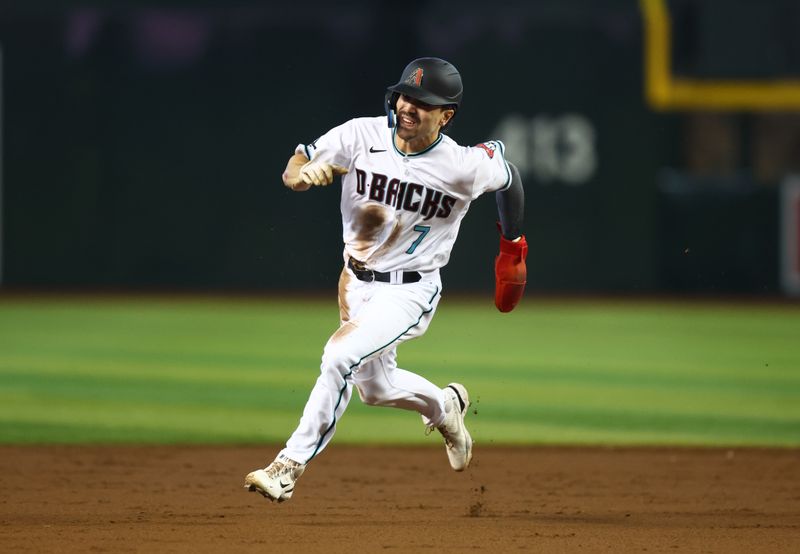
(488, 147)
(415, 78)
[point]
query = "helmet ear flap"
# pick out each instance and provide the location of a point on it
(390, 105)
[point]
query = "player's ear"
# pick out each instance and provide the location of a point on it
(447, 115)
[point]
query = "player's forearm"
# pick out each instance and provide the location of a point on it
(511, 206)
(291, 175)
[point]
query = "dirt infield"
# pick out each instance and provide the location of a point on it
(189, 499)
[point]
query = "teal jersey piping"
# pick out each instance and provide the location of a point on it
(505, 162)
(414, 154)
(352, 367)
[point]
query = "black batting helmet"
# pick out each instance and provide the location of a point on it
(431, 80)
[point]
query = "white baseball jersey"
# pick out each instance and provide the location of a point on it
(402, 212)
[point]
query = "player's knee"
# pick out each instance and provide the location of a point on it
(338, 360)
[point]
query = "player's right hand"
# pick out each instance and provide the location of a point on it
(320, 173)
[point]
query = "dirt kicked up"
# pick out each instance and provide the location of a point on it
(390, 499)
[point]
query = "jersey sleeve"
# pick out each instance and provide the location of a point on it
(334, 147)
(491, 168)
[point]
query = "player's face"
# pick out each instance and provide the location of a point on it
(420, 121)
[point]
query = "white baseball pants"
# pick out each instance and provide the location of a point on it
(375, 318)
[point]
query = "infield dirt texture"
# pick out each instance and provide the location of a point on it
(390, 499)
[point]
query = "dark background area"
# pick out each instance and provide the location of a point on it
(143, 143)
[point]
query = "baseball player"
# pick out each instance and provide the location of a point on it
(405, 189)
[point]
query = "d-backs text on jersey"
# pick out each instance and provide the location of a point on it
(403, 195)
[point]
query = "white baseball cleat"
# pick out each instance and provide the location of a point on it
(456, 437)
(276, 481)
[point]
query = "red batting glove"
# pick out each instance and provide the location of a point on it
(510, 273)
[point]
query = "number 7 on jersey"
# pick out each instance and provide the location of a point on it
(422, 230)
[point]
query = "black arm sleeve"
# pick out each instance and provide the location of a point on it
(511, 205)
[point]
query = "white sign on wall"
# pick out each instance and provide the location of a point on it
(790, 235)
(554, 149)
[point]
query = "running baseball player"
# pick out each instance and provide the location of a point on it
(405, 189)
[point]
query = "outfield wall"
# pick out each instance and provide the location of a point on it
(144, 145)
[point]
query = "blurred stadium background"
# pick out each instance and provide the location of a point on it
(142, 147)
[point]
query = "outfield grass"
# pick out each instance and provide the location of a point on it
(217, 370)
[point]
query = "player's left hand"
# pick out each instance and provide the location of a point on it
(320, 173)
(510, 273)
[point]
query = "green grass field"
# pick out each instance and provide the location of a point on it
(238, 370)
